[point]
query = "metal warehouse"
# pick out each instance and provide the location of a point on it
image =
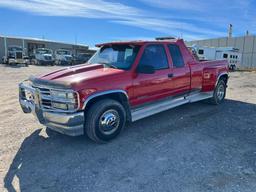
(29, 44)
(245, 44)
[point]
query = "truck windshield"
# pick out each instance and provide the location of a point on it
(63, 52)
(116, 56)
(43, 51)
(15, 49)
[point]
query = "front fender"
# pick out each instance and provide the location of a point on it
(103, 93)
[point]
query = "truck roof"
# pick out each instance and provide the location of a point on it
(138, 42)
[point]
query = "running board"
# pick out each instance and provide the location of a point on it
(199, 96)
(151, 109)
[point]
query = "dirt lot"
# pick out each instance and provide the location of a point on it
(196, 147)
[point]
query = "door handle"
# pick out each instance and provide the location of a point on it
(170, 75)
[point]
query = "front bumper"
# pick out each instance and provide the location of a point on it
(67, 123)
(17, 61)
(46, 62)
(65, 62)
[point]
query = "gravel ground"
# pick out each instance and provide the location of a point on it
(196, 147)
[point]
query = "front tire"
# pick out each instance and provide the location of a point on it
(105, 120)
(219, 93)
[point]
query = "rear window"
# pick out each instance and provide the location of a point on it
(177, 58)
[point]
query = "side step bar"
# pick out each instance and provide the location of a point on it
(154, 108)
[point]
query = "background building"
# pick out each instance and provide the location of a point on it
(32, 43)
(245, 44)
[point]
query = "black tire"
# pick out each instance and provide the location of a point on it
(219, 93)
(98, 118)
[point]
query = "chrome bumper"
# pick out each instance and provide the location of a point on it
(14, 61)
(67, 123)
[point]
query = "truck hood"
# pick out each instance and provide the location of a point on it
(64, 55)
(72, 76)
(47, 54)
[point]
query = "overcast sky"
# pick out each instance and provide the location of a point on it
(94, 21)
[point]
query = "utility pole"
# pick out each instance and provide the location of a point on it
(230, 31)
(75, 39)
(5, 47)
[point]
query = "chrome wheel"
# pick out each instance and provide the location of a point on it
(109, 122)
(221, 92)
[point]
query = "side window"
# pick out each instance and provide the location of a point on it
(128, 53)
(225, 55)
(200, 51)
(177, 58)
(155, 56)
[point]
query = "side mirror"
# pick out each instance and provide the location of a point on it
(145, 69)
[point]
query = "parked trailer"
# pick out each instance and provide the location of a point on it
(230, 54)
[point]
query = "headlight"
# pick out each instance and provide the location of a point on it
(58, 94)
(64, 100)
(63, 94)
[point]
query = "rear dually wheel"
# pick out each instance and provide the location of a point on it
(219, 93)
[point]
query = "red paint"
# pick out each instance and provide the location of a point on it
(141, 88)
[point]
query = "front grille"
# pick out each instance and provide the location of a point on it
(18, 55)
(46, 100)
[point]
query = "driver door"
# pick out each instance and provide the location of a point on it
(150, 87)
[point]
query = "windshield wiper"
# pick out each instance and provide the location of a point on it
(109, 65)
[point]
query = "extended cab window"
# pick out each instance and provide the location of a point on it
(155, 56)
(116, 56)
(177, 58)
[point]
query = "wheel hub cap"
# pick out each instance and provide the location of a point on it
(221, 92)
(109, 121)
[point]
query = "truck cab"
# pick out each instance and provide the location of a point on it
(15, 55)
(42, 56)
(123, 82)
(63, 57)
(81, 58)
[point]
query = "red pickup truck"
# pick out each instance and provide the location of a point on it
(123, 82)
